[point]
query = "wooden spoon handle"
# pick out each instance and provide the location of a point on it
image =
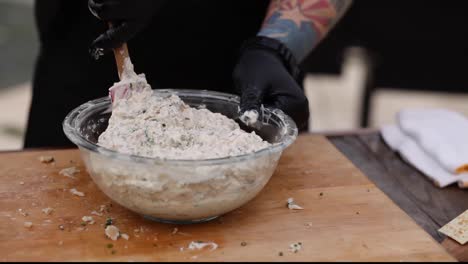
(120, 54)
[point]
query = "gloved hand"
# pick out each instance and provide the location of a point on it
(263, 77)
(128, 18)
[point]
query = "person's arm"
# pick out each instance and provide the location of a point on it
(302, 24)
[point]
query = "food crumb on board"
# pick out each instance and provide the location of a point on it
(125, 236)
(243, 244)
(103, 208)
(292, 205)
(28, 224)
(175, 230)
(110, 245)
(112, 232)
(96, 213)
(69, 172)
(76, 192)
(46, 159)
(61, 227)
(295, 247)
(60, 243)
(308, 225)
(88, 220)
(21, 183)
(321, 194)
(47, 210)
(22, 212)
(200, 245)
(280, 254)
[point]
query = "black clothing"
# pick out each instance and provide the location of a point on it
(190, 44)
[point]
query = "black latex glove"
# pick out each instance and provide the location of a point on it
(261, 77)
(128, 18)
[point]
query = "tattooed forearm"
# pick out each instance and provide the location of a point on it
(301, 24)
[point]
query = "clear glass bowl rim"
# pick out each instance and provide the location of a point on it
(72, 132)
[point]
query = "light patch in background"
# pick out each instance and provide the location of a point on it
(20, 2)
(14, 108)
(386, 103)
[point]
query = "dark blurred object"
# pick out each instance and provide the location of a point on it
(414, 45)
(128, 18)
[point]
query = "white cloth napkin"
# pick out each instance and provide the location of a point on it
(435, 141)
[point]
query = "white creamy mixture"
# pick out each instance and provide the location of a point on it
(166, 127)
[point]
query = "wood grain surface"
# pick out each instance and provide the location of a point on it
(428, 205)
(346, 217)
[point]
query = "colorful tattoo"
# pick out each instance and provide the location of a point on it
(301, 24)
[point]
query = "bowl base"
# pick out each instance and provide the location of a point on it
(179, 222)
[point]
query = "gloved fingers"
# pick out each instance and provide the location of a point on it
(251, 98)
(113, 38)
(124, 10)
(95, 7)
(110, 10)
(287, 96)
(296, 108)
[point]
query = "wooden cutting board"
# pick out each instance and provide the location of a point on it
(346, 218)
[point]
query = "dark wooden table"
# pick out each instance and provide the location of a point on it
(429, 206)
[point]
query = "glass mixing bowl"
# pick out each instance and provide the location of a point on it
(180, 191)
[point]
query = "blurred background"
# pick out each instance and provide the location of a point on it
(18, 50)
(383, 56)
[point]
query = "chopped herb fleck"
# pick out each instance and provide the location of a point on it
(110, 245)
(83, 224)
(113, 252)
(109, 222)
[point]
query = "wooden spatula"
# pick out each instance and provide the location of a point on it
(120, 55)
(120, 90)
